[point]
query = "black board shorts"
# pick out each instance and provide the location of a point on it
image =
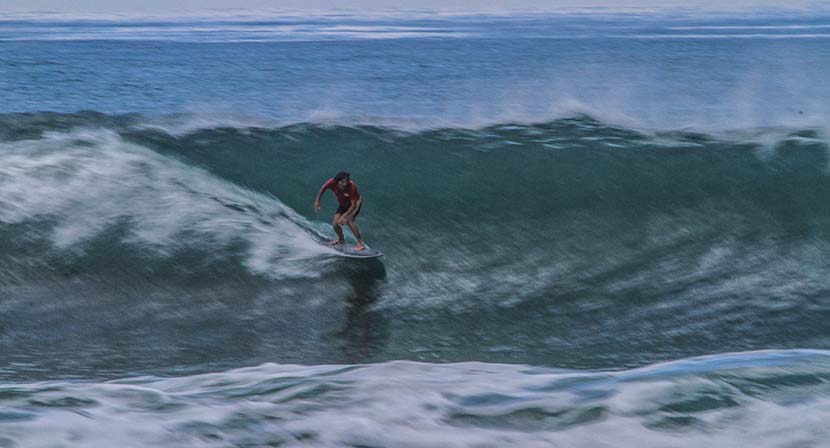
(343, 208)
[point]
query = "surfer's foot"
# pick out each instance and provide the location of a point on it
(335, 242)
(359, 246)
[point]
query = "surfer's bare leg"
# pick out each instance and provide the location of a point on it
(338, 229)
(356, 232)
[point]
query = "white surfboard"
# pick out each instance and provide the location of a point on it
(347, 250)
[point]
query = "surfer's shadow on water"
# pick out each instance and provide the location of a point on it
(365, 330)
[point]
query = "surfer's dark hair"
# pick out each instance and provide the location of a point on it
(342, 175)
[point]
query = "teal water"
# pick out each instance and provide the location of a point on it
(597, 231)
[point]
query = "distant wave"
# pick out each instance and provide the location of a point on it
(728, 36)
(298, 27)
(750, 27)
(225, 30)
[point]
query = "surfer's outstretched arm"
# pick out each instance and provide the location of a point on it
(320, 195)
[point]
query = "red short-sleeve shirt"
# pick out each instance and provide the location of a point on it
(344, 197)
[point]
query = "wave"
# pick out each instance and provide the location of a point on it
(672, 243)
(77, 188)
(765, 398)
(730, 36)
(345, 26)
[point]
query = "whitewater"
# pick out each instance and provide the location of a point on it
(599, 230)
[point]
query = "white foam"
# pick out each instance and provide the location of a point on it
(412, 404)
(88, 181)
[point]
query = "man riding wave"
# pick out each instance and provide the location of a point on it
(349, 203)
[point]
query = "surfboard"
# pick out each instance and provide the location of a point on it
(347, 250)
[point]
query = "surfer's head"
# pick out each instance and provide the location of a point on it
(342, 178)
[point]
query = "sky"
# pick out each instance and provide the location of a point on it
(161, 7)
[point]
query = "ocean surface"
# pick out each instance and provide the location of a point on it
(600, 229)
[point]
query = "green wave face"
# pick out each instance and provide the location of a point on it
(571, 243)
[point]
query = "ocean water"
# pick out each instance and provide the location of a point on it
(600, 229)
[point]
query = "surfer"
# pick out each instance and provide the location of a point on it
(349, 201)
